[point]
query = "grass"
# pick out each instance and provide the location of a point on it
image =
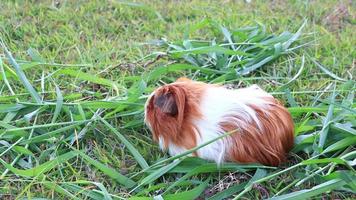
(75, 76)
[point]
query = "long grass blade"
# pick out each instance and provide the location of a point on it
(316, 190)
(108, 171)
(59, 104)
(21, 74)
(40, 169)
(140, 160)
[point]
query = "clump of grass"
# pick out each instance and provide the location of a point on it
(69, 131)
(232, 52)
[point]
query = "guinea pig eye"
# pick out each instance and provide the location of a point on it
(166, 103)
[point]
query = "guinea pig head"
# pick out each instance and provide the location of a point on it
(164, 111)
(170, 112)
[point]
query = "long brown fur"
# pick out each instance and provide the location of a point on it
(268, 146)
(177, 129)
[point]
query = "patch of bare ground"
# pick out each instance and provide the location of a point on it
(337, 18)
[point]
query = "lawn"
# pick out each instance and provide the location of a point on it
(75, 76)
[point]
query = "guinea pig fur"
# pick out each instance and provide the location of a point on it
(186, 113)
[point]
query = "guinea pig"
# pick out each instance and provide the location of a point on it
(187, 113)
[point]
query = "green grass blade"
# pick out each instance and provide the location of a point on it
(59, 104)
(316, 190)
(88, 193)
(11, 135)
(6, 108)
(348, 141)
(295, 111)
(89, 77)
(3, 74)
(326, 71)
(207, 49)
(253, 67)
(59, 189)
(260, 173)
(208, 168)
(323, 160)
(127, 182)
(40, 169)
(295, 36)
(13, 129)
(337, 127)
(103, 190)
(190, 163)
(228, 192)
(190, 194)
(158, 173)
(160, 71)
(140, 160)
(35, 55)
(348, 176)
(48, 135)
(21, 74)
(326, 123)
(22, 150)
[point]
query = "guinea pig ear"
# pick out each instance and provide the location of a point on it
(167, 103)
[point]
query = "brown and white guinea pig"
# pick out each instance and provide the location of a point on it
(186, 113)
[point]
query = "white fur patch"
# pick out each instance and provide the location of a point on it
(216, 105)
(173, 150)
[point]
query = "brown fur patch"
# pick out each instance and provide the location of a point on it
(268, 146)
(175, 126)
